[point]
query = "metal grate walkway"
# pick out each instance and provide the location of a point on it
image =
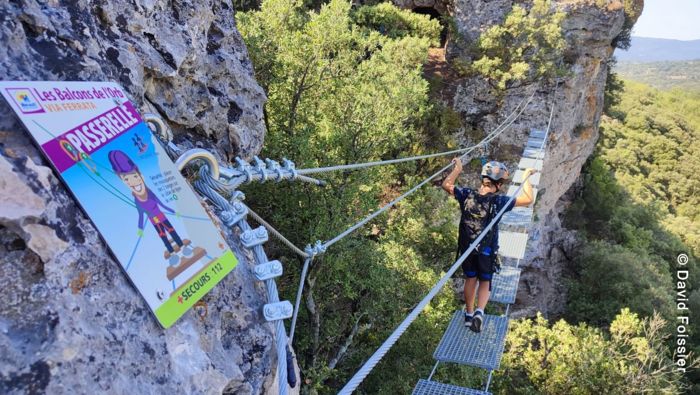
(485, 349)
(460, 345)
(512, 244)
(426, 387)
(518, 219)
(534, 153)
(505, 285)
(530, 163)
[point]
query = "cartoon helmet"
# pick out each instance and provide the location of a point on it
(121, 163)
(496, 171)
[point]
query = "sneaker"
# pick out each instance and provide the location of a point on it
(477, 321)
(467, 319)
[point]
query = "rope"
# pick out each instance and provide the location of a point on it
(487, 139)
(357, 379)
(277, 234)
(297, 302)
(506, 122)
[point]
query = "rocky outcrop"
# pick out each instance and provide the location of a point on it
(185, 59)
(589, 29)
(70, 322)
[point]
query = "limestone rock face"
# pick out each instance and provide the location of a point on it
(70, 323)
(589, 30)
(183, 58)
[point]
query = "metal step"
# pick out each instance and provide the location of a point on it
(534, 153)
(518, 178)
(534, 142)
(518, 219)
(512, 244)
(425, 387)
(483, 350)
(526, 163)
(505, 285)
(537, 133)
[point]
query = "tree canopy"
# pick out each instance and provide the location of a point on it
(524, 48)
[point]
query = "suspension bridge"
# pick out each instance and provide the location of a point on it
(458, 345)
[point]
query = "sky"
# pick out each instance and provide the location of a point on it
(676, 19)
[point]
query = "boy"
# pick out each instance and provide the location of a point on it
(478, 208)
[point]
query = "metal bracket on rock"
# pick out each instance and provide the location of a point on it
(268, 270)
(278, 311)
(253, 237)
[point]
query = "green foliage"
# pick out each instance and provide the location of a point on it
(633, 9)
(614, 87)
(525, 48)
(610, 276)
(648, 147)
(342, 93)
(683, 75)
(639, 209)
(567, 359)
(395, 22)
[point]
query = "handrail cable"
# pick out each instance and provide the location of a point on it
(506, 122)
(486, 140)
(322, 247)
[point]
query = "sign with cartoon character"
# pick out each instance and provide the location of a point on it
(144, 209)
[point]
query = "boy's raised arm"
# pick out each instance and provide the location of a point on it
(449, 184)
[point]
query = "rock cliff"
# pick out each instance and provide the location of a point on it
(590, 28)
(69, 321)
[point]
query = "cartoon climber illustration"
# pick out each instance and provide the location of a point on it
(148, 205)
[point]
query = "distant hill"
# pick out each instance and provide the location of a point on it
(684, 75)
(645, 49)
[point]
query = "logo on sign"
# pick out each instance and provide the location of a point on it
(25, 100)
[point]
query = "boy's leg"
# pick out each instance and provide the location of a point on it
(470, 272)
(470, 293)
(484, 293)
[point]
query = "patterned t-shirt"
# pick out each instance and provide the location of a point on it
(475, 213)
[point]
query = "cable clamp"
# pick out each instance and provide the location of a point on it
(289, 166)
(278, 311)
(317, 249)
(268, 270)
(274, 166)
(254, 237)
(244, 168)
(260, 168)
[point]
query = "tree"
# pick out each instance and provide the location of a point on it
(394, 22)
(633, 9)
(342, 93)
(567, 359)
(524, 48)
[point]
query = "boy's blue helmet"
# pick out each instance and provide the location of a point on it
(496, 171)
